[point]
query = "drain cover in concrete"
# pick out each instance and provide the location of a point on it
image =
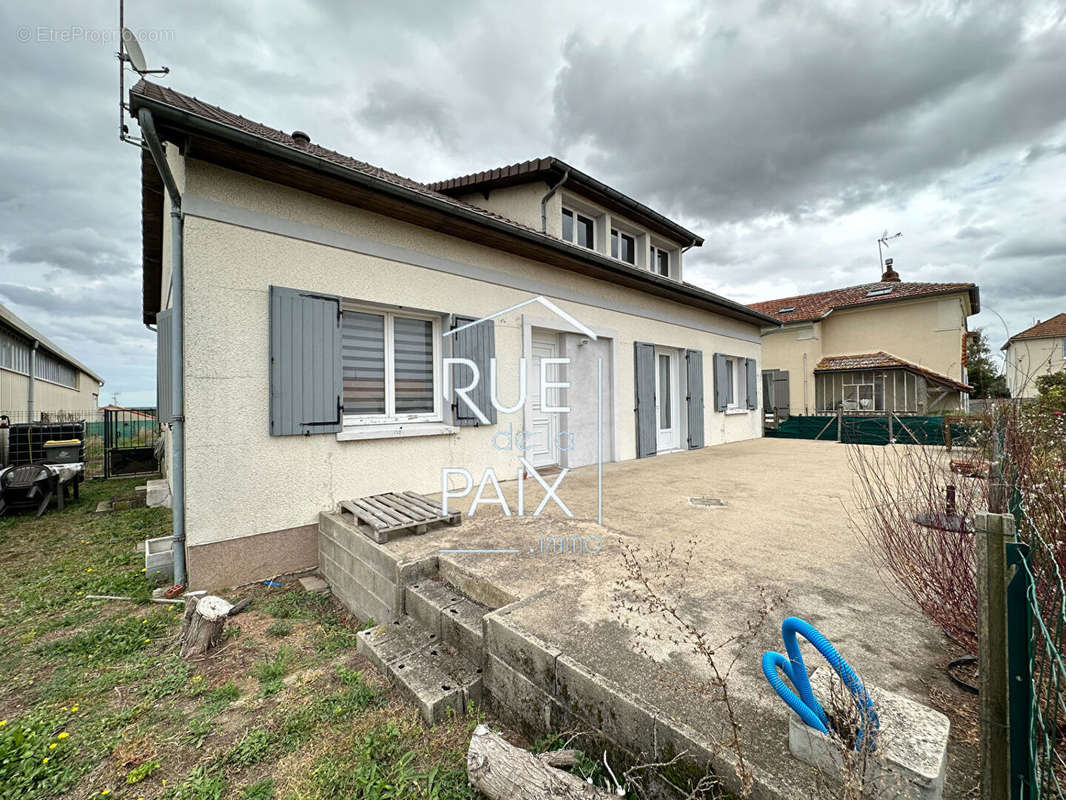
(709, 502)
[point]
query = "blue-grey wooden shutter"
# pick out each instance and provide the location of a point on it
(478, 343)
(164, 322)
(752, 374)
(781, 393)
(694, 398)
(644, 388)
(721, 384)
(306, 384)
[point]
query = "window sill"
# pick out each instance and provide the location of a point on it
(398, 431)
(734, 411)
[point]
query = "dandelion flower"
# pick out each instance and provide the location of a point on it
(3, 722)
(45, 760)
(88, 569)
(52, 746)
(63, 735)
(146, 641)
(74, 709)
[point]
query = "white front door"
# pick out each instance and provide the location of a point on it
(667, 405)
(542, 440)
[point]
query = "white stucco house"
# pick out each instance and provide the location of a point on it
(304, 339)
(1038, 350)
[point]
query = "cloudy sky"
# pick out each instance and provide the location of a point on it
(790, 134)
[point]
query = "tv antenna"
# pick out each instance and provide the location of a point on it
(882, 242)
(129, 53)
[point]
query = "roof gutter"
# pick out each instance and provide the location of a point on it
(544, 201)
(196, 124)
(177, 399)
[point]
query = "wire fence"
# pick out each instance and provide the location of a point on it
(116, 441)
(1034, 466)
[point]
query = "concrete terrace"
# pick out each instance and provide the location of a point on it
(783, 528)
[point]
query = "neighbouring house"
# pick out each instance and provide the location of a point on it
(320, 296)
(1039, 350)
(874, 348)
(39, 377)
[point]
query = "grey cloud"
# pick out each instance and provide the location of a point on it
(393, 104)
(1028, 248)
(83, 251)
(810, 109)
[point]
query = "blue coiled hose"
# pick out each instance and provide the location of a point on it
(806, 705)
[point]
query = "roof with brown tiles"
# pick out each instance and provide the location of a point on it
(1054, 327)
(193, 105)
(185, 111)
(883, 360)
(557, 172)
(807, 307)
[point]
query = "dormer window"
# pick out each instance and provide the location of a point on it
(623, 246)
(660, 261)
(579, 229)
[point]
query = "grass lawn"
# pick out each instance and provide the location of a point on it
(95, 702)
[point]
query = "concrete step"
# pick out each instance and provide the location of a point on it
(431, 673)
(443, 610)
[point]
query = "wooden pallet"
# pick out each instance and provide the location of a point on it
(379, 515)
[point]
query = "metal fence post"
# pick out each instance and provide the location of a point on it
(992, 532)
(1019, 669)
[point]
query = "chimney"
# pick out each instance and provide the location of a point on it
(889, 275)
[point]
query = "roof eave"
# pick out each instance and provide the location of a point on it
(551, 169)
(180, 119)
(27, 330)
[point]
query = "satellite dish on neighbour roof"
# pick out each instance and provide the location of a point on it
(133, 52)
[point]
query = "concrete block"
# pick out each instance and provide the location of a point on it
(360, 572)
(427, 599)
(434, 693)
(473, 586)
(460, 626)
(387, 643)
(353, 596)
(314, 584)
(157, 493)
(605, 706)
(911, 756)
(159, 559)
(515, 700)
(416, 569)
(524, 652)
(381, 559)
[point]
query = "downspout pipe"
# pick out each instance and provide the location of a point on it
(31, 395)
(544, 201)
(177, 399)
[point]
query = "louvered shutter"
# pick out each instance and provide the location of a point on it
(721, 382)
(305, 362)
(477, 343)
(752, 375)
(164, 383)
(644, 389)
(694, 399)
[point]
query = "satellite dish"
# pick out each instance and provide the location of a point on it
(133, 52)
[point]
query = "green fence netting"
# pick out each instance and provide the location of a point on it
(869, 429)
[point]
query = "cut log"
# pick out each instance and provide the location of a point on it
(201, 629)
(502, 771)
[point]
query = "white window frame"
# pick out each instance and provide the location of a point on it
(620, 232)
(390, 417)
(576, 214)
(653, 260)
(735, 373)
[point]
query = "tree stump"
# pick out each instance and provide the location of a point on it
(502, 771)
(201, 629)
